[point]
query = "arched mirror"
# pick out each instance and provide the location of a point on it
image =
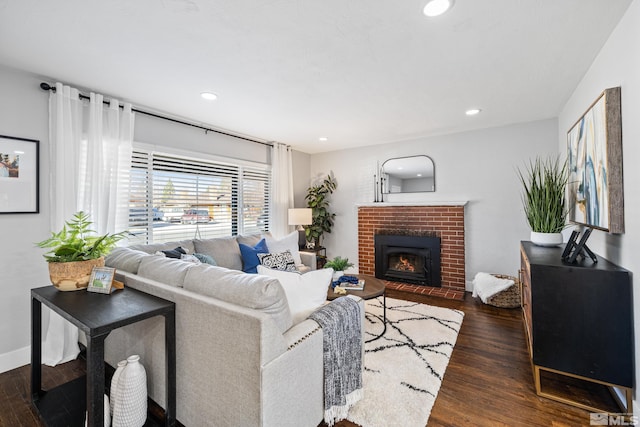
(413, 174)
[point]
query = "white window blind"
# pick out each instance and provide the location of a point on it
(175, 198)
(255, 201)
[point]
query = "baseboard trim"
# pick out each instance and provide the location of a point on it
(15, 359)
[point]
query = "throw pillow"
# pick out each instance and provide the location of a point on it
(288, 242)
(175, 253)
(282, 261)
(250, 258)
(205, 259)
(305, 292)
(190, 258)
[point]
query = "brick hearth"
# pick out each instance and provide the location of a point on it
(446, 221)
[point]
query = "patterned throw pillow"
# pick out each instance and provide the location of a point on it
(281, 261)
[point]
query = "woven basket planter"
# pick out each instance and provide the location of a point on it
(72, 276)
(510, 297)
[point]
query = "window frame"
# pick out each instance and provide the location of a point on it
(244, 168)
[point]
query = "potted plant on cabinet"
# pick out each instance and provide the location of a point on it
(317, 199)
(74, 251)
(339, 265)
(544, 185)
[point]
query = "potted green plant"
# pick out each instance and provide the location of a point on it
(339, 265)
(544, 185)
(74, 251)
(318, 200)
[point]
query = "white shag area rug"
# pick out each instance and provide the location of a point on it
(404, 368)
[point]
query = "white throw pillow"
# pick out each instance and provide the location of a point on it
(290, 242)
(305, 292)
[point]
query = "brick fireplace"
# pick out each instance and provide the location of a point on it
(446, 221)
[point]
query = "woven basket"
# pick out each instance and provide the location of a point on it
(510, 297)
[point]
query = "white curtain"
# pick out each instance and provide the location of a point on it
(282, 192)
(90, 151)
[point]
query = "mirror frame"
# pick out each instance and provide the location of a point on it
(385, 187)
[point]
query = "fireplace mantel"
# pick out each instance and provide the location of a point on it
(385, 204)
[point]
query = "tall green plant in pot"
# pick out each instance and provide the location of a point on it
(544, 185)
(318, 200)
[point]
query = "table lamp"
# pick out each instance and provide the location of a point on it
(301, 217)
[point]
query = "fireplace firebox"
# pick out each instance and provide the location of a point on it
(408, 258)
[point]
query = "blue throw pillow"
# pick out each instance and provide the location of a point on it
(250, 260)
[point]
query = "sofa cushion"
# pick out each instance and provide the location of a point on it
(169, 271)
(248, 290)
(224, 250)
(282, 261)
(125, 259)
(288, 242)
(305, 292)
(156, 247)
(249, 254)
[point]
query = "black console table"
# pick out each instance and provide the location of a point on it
(96, 315)
(578, 321)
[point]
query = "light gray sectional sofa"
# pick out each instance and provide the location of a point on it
(240, 359)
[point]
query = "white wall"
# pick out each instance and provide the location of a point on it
(301, 164)
(24, 113)
(478, 167)
(617, 64)
(157, 131)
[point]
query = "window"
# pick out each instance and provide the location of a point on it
(174, 198)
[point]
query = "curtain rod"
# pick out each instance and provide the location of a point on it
(47, 86)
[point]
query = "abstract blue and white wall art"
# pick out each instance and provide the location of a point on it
(594, 144)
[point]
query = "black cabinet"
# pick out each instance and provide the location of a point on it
(578, 319)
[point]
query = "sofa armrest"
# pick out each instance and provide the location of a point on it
(300, 332)
(293, 382)
(309, 259)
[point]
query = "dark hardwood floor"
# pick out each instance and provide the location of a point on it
(488, 381)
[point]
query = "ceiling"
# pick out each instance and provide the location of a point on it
(358, 72)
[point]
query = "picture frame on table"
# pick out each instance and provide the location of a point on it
(19, 175)
(101, 280)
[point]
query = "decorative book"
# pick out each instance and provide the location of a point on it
(353, 286)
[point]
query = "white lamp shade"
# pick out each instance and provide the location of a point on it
(300, 216)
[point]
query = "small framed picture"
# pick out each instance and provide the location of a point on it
(101, 280)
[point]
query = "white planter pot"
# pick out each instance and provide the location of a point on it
(546, 239)
(337, 274)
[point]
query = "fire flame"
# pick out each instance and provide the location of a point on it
(405, 265)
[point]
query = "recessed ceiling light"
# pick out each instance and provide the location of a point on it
(419, 174)
(437, 7)
(323, 139)
(209, 96)
(473, 111)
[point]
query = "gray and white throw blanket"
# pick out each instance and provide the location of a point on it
(342, 348)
